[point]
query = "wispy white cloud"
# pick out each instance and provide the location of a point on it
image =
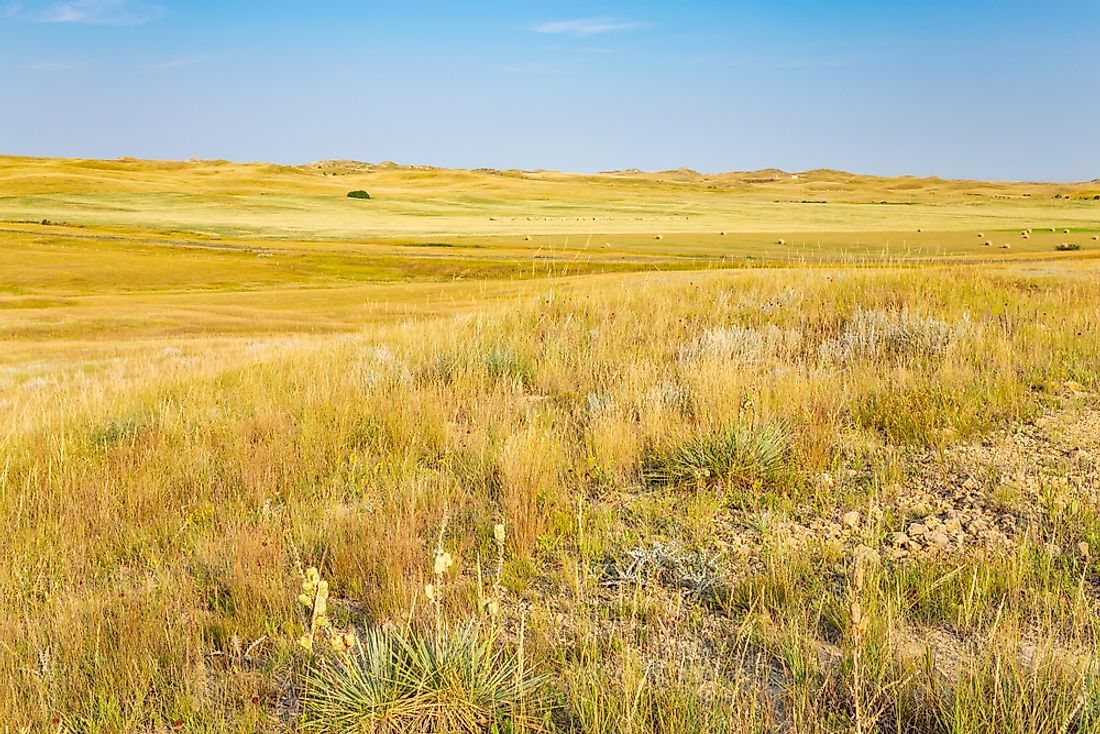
(11, 10)
(100, 12)
(585, 27)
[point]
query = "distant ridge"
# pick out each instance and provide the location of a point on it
(808, 183)
(350, 166)
(690, 175)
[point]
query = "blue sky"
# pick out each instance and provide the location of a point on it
(968, 88)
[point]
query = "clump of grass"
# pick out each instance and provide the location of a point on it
(507, 364)
(119, 431)
(1067, 247)
(736, 455)
(876, 334)
(617, 691)
(997, 691)
(454, 679)
(459, 680)
(744, 345)
(443, 368)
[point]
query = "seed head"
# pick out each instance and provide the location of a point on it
(443, 562)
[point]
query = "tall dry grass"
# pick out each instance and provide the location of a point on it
(151, 534)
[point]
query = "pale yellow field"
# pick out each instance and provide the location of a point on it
(202, 248)
(846, 482)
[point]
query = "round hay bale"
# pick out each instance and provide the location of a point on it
(781, 242)
(980, 235)
(1005, 246)
(987, 243)
(526, 238)
(1065, 231)
(658, 237)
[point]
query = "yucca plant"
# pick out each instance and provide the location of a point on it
(739, 454)
(459, 681)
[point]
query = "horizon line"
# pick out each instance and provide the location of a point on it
(686, 170)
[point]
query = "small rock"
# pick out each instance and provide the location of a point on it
(850, 519)
(916, 530)
(899, 539)
(953, 525)
(868, 555)
(939, 538)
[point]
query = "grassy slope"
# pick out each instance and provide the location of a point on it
(178, 425)
(201, 248)
(277, 202)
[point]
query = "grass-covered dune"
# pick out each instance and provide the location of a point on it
(815, 213)
(676, 459)
(273, 459)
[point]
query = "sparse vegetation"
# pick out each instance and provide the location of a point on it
(455, 678)
(743, 456)
(811, 496)
(458, 681)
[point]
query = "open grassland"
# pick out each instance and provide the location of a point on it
(817, 213)
(544, 488)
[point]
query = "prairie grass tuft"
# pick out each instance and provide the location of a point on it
(460, 680)
(878, 334)
(509, 365)
(119, 431)
(737, 455)
(457, 678)
(744, 345)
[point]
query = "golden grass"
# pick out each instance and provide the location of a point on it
(821, 213)
(182, 429)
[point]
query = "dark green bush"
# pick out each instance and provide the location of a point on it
(358, 194)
